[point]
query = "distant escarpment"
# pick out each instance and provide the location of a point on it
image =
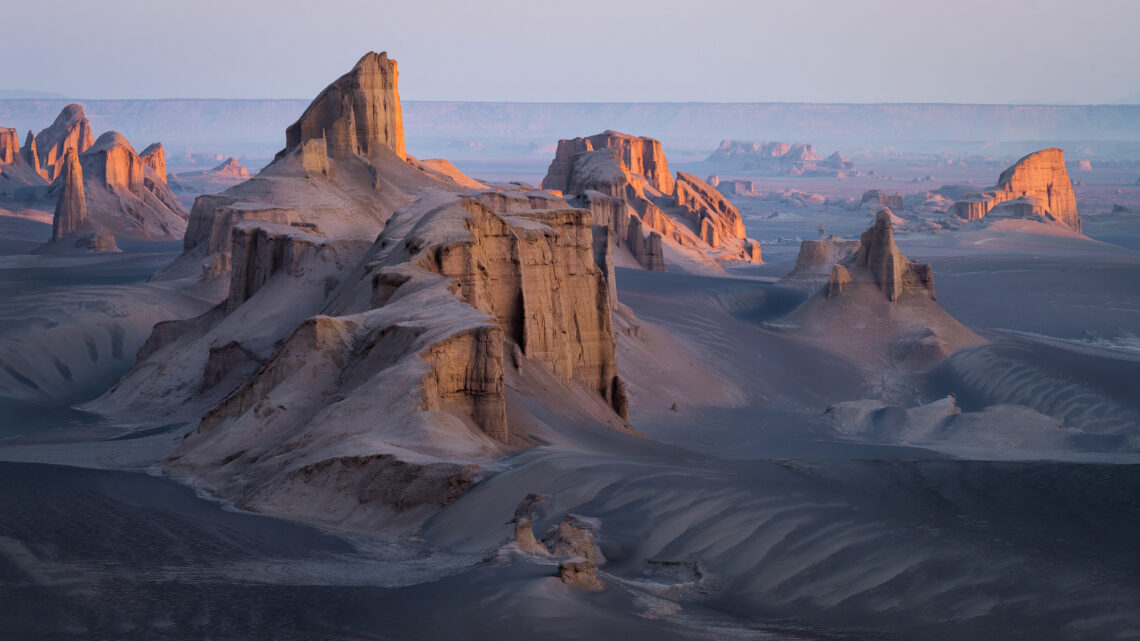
(385, 327)
(1035, 187)
(625, 181)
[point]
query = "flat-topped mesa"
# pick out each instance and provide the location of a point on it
(357, 114)
(9, 145)
(1037, 186)
(154, 157)
(640, 156)
(892, 272)
(71, 208)
(69, 131)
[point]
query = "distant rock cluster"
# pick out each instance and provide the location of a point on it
(102, 187)
(797, 159)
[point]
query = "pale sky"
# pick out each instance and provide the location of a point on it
(990, 51)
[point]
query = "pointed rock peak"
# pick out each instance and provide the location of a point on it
(154, 157)
(358, 114)
(71, 208)
(891, 271)
(69, 131)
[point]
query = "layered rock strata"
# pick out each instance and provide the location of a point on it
(382, 331)
(1036, 186)
(625, 182)
(355, 114)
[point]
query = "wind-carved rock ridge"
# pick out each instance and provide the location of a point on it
(365, 360)
(625, 181)
(1036, 186)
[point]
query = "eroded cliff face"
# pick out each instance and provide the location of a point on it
(125, 195)
(1037, 186)
(625, 181)
(71, 208)
(356, 113)
(154, 156)
(641, 156)
(69, 131)
(9, 145)
(360, 379)
(893, 273)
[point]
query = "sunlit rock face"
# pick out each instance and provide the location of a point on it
(356, 113)
(69, 131)
(625, 181)
(1037, 186)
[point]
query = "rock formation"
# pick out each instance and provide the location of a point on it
(875, 305)
(817, 257)
(154, 157)
(125, 194)
(892, 272)
(1037, 186)
(70, 230)
(69, 131)
(30, 155)
(878, 198)
(9, 145)
(71, 208)
(642, 157)
(381, 329)
(796, 159)
(625, 182)
(356, 113)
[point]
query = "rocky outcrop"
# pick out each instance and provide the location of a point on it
(816, 259)
(30, 155)
(69, 131)
(640, 156)
(9, 145)
(154, 157)
(114, 163)
(893, 273)
(71, 230)
(383, 332)
(779, 157)
(125, 195)
(878, 198)
(1036, 186)
(708, 208)
(71, 208)
(355, 114)
(624, 181)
